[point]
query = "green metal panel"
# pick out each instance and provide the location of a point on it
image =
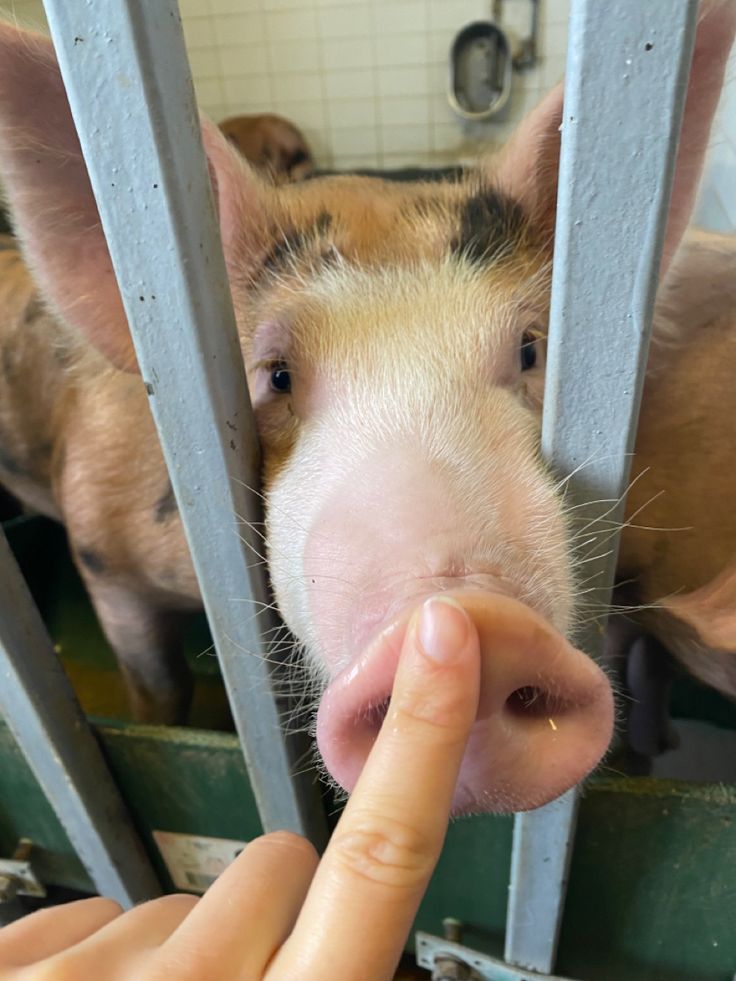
(471, 882)
(182, 780)
(651, 890)
(652, 884)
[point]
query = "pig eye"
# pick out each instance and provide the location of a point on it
(280, 377)
(528, 351)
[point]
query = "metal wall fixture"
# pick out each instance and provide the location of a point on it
(148, 138)
(482, 63)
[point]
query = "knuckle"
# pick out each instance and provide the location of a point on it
(383, 850)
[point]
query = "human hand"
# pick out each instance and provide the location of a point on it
(278, 913)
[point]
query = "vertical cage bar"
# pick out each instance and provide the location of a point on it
(130, 90)
(46, 721)
(627, 74)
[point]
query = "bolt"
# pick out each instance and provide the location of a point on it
(452, 929)
(451, 969)
(8, 887)
(22, 851)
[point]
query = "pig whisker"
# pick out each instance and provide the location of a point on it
(609, 532)
(615, 502)
(584, 504)
(659, 527)
(306, 763)
(589, 541)
(620, 526)
(605, 516)
(629, 524)
(253, 525)
(622, 612)
(593, 458)
(297, 690)
(253, 549)
(268, 502)
(593, 558)
(255, 602)
(270, 548)
(583, 582)
(271, 506)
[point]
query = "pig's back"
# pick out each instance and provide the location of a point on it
(78, 443)
(36, 352)
(686, 447)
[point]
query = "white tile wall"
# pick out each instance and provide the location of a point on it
(366, 79)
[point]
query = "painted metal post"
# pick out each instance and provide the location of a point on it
(627, 71)
(130, 90)
(42, 712)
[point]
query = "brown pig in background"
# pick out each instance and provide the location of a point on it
(394, 343)
(272, 144)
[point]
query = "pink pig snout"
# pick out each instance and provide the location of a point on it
(545, 713)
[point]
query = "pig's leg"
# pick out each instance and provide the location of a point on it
(642, 669)
(649, 673)
(147, 642)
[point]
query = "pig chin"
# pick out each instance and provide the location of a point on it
(545, 715)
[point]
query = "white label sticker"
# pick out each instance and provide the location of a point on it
(193, 861)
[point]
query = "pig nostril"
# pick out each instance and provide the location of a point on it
(533, 702)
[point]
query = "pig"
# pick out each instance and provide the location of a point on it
(272, 144)
(394, 341)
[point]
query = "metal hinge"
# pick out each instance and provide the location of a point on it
(449, 960)
(17, 877)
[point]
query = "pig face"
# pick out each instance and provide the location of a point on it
(421, 470)
(398, 400)
(398, 408)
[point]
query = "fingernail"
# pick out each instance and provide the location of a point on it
(443, 628)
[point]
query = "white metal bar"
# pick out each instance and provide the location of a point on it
(44, 716)
(127, 77)
(624, 95)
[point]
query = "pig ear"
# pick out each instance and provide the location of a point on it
(713, 43)
(242, 199)
(51, 198)
(526, 168)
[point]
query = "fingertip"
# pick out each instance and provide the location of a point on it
(443, 629)
(438, 675)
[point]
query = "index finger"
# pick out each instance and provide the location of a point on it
(368, 886)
